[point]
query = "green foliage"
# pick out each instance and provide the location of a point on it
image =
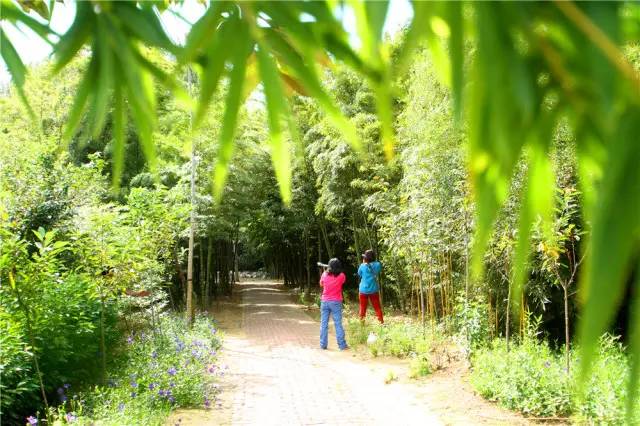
(532, 378)
(160, 369)
(471, 321)
(52, 314)
(398, 339)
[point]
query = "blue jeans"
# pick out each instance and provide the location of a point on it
(335, 308)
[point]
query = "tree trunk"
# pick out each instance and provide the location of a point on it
(201, 277)
(566, 326)
(192, 230)
(208, 272)
(508, 315)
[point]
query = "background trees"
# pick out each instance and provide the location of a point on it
(522, 88)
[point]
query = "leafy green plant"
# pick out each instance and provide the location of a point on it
(532, 378)
(159, 370)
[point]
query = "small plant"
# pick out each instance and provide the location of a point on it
(390, 377)
(419, 366)
(161, 369)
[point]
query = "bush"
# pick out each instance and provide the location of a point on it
(160, 369)
(65, 323)
(532, 379)
(529, 378)
(401, 339)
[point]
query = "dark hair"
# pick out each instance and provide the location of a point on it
(335, 267)
(369, 256)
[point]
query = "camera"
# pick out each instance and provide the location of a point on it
(323, 265)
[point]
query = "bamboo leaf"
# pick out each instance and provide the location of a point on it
(201, 31)
(119, 126)
(73, 40)
(140, 93)
(230, 119)
(307, 77)
(376, 16)
(143, 24)
(276, 107)
(456, 54)
(102, 49)
(38, 6)
(10, 12)
(80, 101)
(15, 66)
(219, 49)
(613, 239)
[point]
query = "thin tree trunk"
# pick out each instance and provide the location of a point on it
(421, 302)
(192, 230)
(566, 325)
(508, 315)
(201, 277)
(208, 273)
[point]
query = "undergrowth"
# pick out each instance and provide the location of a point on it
(532, 378)
(159, 370)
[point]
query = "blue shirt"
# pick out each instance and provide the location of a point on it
(368, 273)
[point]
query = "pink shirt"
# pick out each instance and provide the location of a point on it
(332, 287)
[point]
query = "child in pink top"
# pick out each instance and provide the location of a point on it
(331, 282)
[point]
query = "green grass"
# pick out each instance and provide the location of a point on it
(159, 370)
(400, 338)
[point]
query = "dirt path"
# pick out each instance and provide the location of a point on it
(277, 375)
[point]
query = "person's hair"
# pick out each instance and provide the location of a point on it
(335, 267)
(369, 256)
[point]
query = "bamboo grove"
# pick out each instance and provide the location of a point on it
(510, 166)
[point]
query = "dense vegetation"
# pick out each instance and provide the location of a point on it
(96, 206)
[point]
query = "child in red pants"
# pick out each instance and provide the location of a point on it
(369, 288)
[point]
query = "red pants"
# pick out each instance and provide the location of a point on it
(375, 301)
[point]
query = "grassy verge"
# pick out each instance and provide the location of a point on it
(158, 370)
(531, 378)
(400, 337)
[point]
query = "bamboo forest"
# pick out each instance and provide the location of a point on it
(199, 199)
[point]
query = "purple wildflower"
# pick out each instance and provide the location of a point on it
(130, 340)
(134, 384)
(66, 386)
(172, 399)
(195, 353)
(133, 394)
(211, 368)
(32, 420)
(151, 386)
(172, 371)
(63, 398)
(121, 407)
(161, 392)
(207, 403)
(70, 417)
(172, 385)
(60, 391)
(154, 354)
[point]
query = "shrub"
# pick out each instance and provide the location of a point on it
(529, 378)
(160, 369)
(532, 379)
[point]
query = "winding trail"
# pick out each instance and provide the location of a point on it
(277, 375)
